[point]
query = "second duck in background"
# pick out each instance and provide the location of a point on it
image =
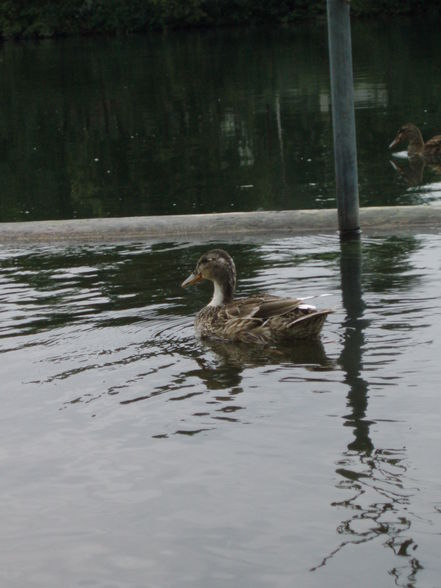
(411, 134)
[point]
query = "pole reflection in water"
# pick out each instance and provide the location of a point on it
(351, 357)
(373, 476)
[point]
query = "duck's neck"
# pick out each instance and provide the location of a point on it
(416, 143)
(222, 294)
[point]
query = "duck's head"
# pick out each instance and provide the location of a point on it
(409, 133)
(218, 267)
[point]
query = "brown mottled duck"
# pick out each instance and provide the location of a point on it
(416, 146)
(263, 319)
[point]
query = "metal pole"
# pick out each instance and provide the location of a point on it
(343, 117)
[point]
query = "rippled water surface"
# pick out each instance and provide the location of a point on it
(135, 455)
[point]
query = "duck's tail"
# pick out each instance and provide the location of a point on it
(309, 325)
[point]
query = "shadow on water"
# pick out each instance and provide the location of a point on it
(373, 476)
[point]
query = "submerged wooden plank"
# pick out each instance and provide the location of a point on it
(211, 225)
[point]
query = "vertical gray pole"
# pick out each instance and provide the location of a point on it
(343, 116)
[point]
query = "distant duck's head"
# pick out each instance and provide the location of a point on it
(409, 133)
(218, 267)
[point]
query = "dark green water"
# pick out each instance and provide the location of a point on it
(207, 121)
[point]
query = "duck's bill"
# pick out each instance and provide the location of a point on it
(192, 279)
(394, 142)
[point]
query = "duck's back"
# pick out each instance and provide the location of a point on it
(433, 147)
(261, 319)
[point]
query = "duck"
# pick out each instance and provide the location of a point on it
(260, 319)
(416, 146)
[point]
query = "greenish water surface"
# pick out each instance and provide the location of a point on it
(207, 121)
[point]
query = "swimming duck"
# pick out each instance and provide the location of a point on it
(258, 319)
(416, 146)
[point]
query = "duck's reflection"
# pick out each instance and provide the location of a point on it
(221, 367)
(240, 356)
(373, 477)
(412, 169)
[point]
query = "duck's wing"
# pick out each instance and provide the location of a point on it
(262, 319)
(261, 307)
(277, 307)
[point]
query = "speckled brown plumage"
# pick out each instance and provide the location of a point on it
(257, 319)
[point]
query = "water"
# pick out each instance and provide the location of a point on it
(136, 455)
(208, 120)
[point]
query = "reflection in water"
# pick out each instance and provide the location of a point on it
(411, 172)
(412, 169)
(98, 142)
(104, 316)
(222, 368)
(351, 359)
(115, 148)
(220, 371)
(374, 477)
(178, 421)
(305, 353)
